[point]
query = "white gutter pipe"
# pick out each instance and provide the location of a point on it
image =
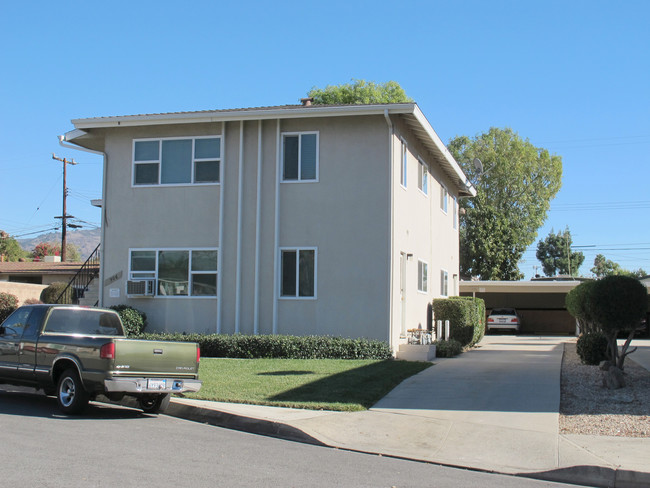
(239, 228)
(258, 224)
(221, 214)
(276, 239)
(392, 227)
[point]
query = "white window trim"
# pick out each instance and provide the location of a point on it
(444, 274)
(403, 173)
(133, 277)
(299, 180)
(426, 268)
(454, 199)
(159, 161)
(423, 177)
(298, 249)
(444, 204)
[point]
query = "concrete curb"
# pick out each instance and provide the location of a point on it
(596, 476)
(242, 423)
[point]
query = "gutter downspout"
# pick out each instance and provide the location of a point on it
(276, 239)
(258, 224)
(62, 143)
(239, 227)
(221, 225)
(392, 228)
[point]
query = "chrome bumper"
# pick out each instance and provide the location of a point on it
(157, 385)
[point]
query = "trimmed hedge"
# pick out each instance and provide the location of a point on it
(280, 346)
(466, 317)
(448, 349)
(8, 303)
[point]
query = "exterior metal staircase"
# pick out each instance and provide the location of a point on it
(77, 291)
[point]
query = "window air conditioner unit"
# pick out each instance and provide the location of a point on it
(145, 288)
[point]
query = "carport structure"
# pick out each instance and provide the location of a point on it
(540, 304)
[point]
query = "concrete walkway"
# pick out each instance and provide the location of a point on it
(494, 408)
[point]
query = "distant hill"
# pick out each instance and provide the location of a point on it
(85, 240)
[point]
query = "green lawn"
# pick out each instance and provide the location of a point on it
(319, 384)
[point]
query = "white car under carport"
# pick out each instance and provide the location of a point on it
(504, 319)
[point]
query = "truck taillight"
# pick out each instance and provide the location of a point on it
(107, 351)
(198, 353)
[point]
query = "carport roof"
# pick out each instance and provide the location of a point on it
(518, 286)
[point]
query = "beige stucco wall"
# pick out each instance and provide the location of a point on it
(23, 291)
(422, 232)
(345, 215)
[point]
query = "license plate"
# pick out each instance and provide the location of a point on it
(156, 384)
(502, 320)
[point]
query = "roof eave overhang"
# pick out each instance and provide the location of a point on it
(410, 111)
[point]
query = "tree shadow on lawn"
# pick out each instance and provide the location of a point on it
(362, 386)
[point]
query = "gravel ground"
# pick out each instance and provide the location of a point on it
(587, 407)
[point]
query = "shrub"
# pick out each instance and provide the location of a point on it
(52, 293)
(448, 349)
(32, 301)
(134, 320)
(8, 303)
(577, 304)
(466, 317)
(280, 346)
(592, 347)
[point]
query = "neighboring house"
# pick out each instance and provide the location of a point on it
(302, 219)
(38, 272)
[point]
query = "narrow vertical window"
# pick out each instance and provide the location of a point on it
(444, 283)
(444, 196)
(423, 270)
(423, 177)
(455, 203)
(404, 165)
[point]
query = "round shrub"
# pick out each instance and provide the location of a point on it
(448, 349)
(8, 303)
(53, 292)
(134, 320)
(592, 347)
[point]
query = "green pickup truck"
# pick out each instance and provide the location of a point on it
(77, 353)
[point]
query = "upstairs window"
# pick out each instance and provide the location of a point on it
(403, 165)
(423, 177)
(300, 157)
(178, 161)
(444, 197)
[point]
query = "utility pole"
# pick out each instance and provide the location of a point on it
(64, 217)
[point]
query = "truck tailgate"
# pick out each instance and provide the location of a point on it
(155, 358)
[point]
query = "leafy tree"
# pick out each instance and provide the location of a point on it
(606, 267)
(556, 256)
(9, 247)
(513, 197)
(52, 249)
(359, 92)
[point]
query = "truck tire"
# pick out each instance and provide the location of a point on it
(155, 403)
(71, 396)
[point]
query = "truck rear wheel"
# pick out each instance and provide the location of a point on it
(155, 403)
(71, 396)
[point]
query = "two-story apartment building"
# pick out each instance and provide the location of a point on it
(301, 219)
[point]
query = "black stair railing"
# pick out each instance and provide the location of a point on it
(78, 285)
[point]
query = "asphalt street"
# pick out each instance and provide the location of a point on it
(116, 446)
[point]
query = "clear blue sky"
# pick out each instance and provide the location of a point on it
(571, 76)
